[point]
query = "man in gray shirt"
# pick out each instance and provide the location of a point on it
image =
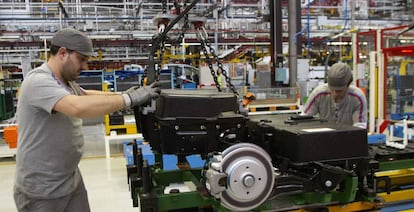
(338, 101)
(49, 115)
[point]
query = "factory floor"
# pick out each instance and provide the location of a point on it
(105, 179)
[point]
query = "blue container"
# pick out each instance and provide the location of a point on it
(398, 131)
(189, 85)
(376, 138)
(146, 152)
(169, 161)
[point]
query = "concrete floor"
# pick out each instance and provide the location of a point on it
(105, 179)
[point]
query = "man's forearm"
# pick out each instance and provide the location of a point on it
(96, 92)
(89, 106)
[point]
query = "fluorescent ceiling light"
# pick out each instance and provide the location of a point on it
(45, 37)
(141, 35)
(338, 43)
(104, 36)
(9, 37)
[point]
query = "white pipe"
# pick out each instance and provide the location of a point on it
(405, 132)
(45, 43)
(77, 8)
(354, 56)
(372, 92)
(124, 9)
(380, 63)
(183, 49)
(60, 19)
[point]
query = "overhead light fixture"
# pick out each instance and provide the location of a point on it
(97, 37)
(338, 43)
(9, 37)
(142, 35)
(45, 37)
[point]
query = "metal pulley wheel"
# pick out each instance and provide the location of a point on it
(250, 176)
(163, 19)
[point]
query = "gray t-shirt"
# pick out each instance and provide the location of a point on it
(352, 109)
(50, 144)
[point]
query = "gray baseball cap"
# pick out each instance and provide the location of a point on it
(74, 40)
(339, 76)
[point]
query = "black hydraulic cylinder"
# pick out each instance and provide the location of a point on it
(139, 162)
(146, 178)
(135, 184)
(136, 180)
(132, 168)
(136, 177)
(134, 150)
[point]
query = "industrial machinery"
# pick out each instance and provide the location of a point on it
(254, 163)
(262, 163)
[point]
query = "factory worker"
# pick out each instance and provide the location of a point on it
(338, 101)
(221, 80)
(49, 116)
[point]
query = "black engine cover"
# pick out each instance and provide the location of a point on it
(308, 141)
(192, 121)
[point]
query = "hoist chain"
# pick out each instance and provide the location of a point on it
(177, 7)
(185, 26)
(164, 6)
(162, 48)
(159, 40)
(202, 36)
(205, 43)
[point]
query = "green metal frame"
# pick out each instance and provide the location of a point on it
(346, 196)
(161, 179)
(396, 165)
(201, 199)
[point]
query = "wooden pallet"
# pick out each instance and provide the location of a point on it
(274, 105)
(256, 108)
